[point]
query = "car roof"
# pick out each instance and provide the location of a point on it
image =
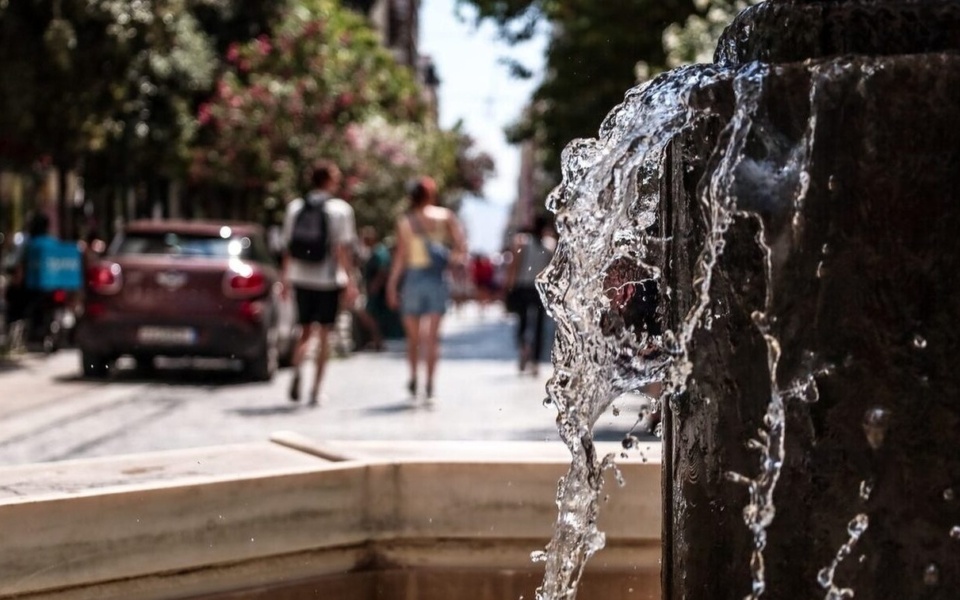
(192, 227)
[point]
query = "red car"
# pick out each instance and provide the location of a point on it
(185, 288)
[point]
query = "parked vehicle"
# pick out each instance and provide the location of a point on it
(186, 288)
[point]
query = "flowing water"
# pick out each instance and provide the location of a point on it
(606, 212)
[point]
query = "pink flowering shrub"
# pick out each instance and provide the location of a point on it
(322, 86)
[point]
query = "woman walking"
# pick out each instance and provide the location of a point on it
(430, 240)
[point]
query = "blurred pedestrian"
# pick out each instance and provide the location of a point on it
(20, 298)
(430, 239)
(318, 233)
(377, 272)
(531, 253)
(371, 284)
(484, 279)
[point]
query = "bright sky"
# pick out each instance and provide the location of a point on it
(477, 89)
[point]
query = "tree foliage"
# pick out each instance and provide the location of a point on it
(229, 21)
(236, 94)
(322, 86)
(97, 77)
(592, 59)
(695, 40)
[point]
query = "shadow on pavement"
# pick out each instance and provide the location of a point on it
(405, 405)
(9, 364)
(488, 341)
(267, 411)
(175, 373)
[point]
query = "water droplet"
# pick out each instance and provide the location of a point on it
(538, 556)
(924, 381)
(955, 532)
(547, 401)
(857, 526)
(832, 183)
(616, 411)
(825, 250)
(866, 488)
(875, 423)
(919, 342)
(827, 370)
(931, 575)
(825, 577)
(820, 270)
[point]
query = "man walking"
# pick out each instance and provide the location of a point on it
(318, 233)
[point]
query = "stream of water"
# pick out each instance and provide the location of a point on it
(606, 212)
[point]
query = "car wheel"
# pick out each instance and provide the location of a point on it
(264, 365)
(94, 365)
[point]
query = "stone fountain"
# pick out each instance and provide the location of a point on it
(861, 290)
(798, 205)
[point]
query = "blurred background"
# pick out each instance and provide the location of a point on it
(127, 118)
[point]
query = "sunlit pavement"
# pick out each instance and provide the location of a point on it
(47, 412)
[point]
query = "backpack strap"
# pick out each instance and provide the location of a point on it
(416, 225)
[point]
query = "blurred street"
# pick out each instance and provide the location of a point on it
(49, 413)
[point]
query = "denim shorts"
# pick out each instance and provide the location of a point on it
(424, 292)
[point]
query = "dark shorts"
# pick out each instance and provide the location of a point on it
(317, 306)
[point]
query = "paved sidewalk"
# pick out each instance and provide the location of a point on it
(31, 380)
(48, 413)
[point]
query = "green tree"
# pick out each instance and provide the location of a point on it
(695, 40)
(323, 86)
(105, 83)
(597, 50)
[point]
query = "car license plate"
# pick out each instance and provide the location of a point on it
(167, 335)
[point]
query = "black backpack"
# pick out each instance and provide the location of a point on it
(310, 236)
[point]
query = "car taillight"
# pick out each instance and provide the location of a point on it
(104, 278)
(244, 281)
(59, 296)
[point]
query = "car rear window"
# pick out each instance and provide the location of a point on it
(179, 244)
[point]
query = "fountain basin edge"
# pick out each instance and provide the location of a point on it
(293, 518)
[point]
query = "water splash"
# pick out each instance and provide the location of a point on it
(825, 576)
(866, 490)
(875, 423)
(606, 209)
(604, 255)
